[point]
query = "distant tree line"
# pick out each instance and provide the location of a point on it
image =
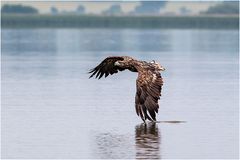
(54, 10)
(79, 10)
(18, 9)
(96, 21)
(149, 7)
(113, 10)
(145, 7)
(227, 7)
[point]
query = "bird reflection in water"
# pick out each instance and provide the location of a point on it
(147, 139)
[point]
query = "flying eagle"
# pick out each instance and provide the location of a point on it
(149, 82)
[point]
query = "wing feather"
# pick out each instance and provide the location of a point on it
(106, 67)
(149, 86)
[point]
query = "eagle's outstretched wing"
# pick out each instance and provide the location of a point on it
(106, 67)
(149, 86)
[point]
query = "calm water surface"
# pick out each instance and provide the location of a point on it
(50, 109)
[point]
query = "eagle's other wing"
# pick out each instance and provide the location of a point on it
(106, 67)
(149, 86)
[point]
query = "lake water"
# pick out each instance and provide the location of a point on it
(50, 109)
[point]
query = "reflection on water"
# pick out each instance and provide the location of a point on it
(148, 139)
(113, 146)
(143, 143)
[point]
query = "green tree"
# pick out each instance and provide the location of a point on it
(18, 9)
(80, 9)
(54, 10)
(149, 7)
(227, 7)
(113, 10)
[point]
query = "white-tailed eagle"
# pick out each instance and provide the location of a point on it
(149, 82)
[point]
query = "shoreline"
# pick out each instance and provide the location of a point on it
(126, 21)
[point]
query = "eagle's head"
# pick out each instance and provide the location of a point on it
(158, 66)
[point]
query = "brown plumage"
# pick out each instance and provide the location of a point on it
(149, 82)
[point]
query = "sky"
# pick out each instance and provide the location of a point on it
(127, 6)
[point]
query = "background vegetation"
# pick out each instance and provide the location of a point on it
(86, 21)
(224, 8)
(221, 16)
(18, 9)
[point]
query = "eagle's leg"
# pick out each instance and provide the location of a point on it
(144, 120)
(153, 119)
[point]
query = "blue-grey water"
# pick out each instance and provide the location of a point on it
(50, 109)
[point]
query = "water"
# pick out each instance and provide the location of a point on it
(50, 109)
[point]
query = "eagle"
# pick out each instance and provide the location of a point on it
(149, 82)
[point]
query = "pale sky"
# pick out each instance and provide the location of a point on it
(98, 7)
